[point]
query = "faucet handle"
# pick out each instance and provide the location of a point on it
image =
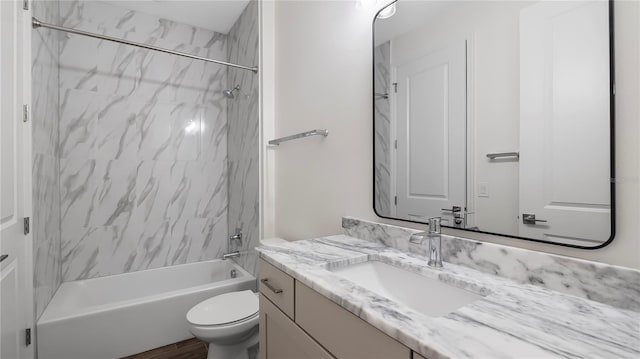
(434, 224)
(234, 244)
(418, 237)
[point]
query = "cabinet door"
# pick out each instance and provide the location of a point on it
(341, 332)
(281, 338)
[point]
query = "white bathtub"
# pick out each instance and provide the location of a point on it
(120, 315)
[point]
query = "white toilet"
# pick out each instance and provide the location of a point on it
(228, 322)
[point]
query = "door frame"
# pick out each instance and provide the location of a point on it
(393, 134)
(469, 136)
(27, 137)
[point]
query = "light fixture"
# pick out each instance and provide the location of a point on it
(388, 7)
(387, 12)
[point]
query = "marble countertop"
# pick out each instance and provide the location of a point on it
(511, 320)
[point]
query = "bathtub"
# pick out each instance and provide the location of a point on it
(120, 315)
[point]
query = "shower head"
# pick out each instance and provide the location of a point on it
(229, 93)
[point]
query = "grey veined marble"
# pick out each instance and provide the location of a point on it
(46, 161)
(510, 320)
(243, 123)
(613, 285)
(146, 158)
(382, 128)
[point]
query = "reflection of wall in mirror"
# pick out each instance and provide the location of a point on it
(491, 28)
(382, 134)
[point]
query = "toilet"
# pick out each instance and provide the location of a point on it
(228, 322)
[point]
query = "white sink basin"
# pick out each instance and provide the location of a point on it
(425, 295)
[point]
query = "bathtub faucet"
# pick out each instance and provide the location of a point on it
(231, 255)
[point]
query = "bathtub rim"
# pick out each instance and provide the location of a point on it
(98, 309)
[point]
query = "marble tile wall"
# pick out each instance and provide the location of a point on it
(604, 283)
(382, 128)
(46, 197)
(143, 144)
(243, 140)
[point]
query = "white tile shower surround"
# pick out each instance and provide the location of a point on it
(143, 144)
(242, 45)
(511, 320)
(45, 225)
(382, 128)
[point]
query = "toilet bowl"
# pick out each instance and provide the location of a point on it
(228, 322)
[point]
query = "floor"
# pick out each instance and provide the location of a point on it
(186, 349)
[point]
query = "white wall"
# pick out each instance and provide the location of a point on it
(323, 80)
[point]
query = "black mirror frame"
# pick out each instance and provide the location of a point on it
(612, 164)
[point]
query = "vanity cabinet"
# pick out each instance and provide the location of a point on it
(296, 322)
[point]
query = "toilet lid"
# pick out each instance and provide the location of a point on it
(224, 308)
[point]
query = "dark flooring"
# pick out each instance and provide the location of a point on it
(187, 349)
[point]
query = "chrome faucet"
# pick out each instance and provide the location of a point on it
(435, 243)
(231, 255)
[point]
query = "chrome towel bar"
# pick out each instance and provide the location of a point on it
(278, 141)
(493, 156)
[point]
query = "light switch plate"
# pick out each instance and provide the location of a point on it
(483, 189)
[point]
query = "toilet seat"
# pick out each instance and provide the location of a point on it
(237, 322)
(226, 309)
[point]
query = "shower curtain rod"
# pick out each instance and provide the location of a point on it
(37, 23)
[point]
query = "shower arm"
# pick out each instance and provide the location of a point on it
(37, 23)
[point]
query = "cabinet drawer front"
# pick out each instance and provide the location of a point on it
(342, 333)
(281, 338)
(277, 286)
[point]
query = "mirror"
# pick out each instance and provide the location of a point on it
(496, 116)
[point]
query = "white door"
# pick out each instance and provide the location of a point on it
(564, 119)
(16, 283)
(431, 134)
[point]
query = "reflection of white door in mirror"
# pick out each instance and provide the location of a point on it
(564, 110)
(430, 116)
